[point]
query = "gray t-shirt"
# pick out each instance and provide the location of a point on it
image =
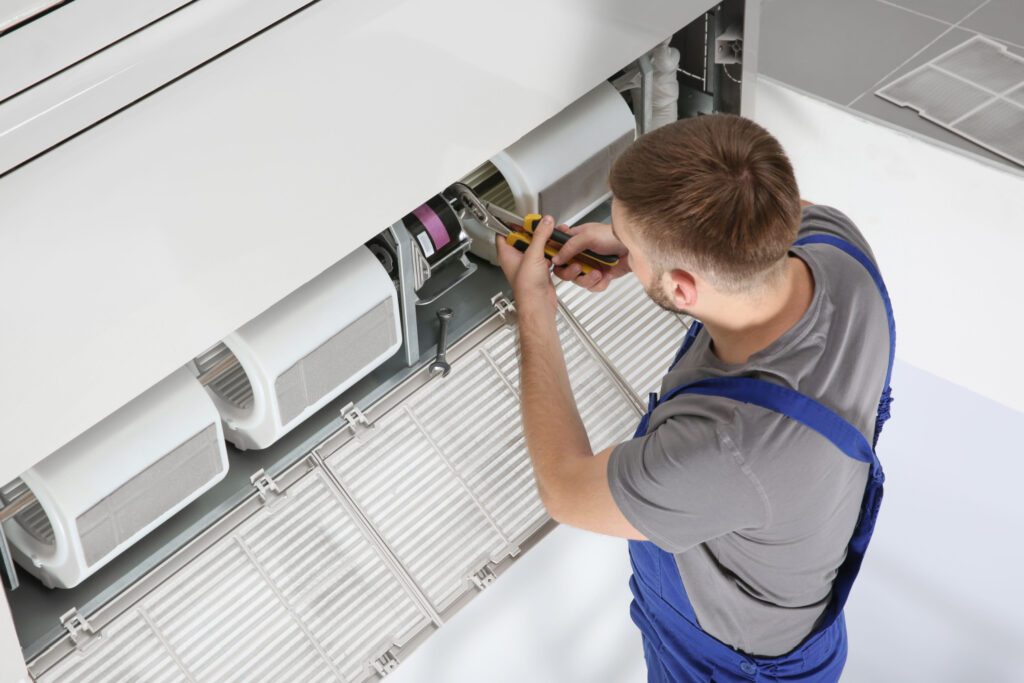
(757, 508)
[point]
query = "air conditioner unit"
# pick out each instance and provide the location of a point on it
(559, 168)
(116, 482)
(304, 350)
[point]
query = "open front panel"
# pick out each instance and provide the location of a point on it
(445, 476)
(129, 650)
(303, 589)
(638, 337)
(296, 592)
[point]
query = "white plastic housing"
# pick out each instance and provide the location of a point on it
(561, 167)
(119, 480)
(309, 347)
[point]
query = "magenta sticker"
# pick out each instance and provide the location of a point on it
(432, 222)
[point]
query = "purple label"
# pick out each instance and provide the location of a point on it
(432, 222)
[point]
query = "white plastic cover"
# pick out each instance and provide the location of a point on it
(121, 479)
(309, 347)
(561, 167)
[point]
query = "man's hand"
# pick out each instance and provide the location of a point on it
(529, 272)
(596, 237)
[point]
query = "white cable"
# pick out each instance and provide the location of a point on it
(665, 87)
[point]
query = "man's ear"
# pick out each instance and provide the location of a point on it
(684, 289)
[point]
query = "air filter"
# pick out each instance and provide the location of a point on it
(115, 483)
(304, 350)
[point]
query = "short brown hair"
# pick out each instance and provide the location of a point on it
(714, 192)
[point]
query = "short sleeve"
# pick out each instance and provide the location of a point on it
(820, 219)
(684, 483)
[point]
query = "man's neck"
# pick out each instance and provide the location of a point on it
(752, 323)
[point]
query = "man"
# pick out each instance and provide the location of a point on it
(742, 491)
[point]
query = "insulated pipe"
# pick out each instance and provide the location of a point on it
(665, 104)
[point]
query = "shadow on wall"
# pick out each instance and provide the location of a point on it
(939, 598)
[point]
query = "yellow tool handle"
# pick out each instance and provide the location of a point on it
(587, 259)
(522, 240)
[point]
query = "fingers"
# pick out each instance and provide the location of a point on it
(569, 272)
(596, 280)
(541, 235)
(576, 244)
(509, 257)
(591, 280)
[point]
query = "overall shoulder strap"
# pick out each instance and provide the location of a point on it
(691, 336)
(788, 402)
(873, 271)
(885, 401)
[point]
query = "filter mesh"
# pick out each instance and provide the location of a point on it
(294, 593)
(336, 361)
(423, 511)
(975, 90)
(936, 95)
(986, 63)
(1000, 126)
(332, 578)
(1017, 95)
(446, 477)
(128, 651)
(637, 336)
(151, 493)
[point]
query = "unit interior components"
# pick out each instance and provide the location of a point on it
(561, 167)
(305, 350)
(490, 185)
(112, 485)
(975, 90)
(384, 248)
(33, 518)
(19, 505)
(436, 229)
(227, 378)
(715, 50)
(436, 245)
(396, 520)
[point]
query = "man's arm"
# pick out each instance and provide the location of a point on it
(572, 481)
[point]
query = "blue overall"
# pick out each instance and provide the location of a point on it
(675, 646)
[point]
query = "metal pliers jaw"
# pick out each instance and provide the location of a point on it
(484, 212)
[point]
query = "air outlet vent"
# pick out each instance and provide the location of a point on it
(233, 386)
(32, 519)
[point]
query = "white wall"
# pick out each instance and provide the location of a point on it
(948, 231)
(939, 598)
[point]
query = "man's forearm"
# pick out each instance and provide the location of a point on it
(555, 436)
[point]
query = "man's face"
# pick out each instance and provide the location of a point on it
(652, 278)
